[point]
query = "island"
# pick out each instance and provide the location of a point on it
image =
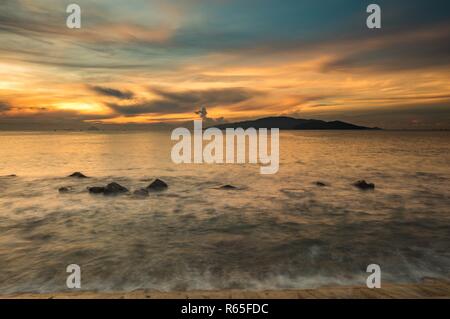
(290, 123)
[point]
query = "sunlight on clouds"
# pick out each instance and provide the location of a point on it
(111, 69)
(88, 108)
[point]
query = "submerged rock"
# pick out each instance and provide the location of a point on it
(320, 184)
(157, 185)
(142, 192)
(96, 190)
(115, 188)
(228, 187)
(78, 175)
(364, 185)
(63, 190)
(110, 189)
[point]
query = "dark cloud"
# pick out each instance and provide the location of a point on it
(400, 51)
(4, 106)
(212, 97)
(185, 101)
(156, 106)
(123, 95)
(234, 27)
(42, 118)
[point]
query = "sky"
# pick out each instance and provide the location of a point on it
(144, 62)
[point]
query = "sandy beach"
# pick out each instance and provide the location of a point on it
(429, 288)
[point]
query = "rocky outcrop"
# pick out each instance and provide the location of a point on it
(110, 189)
(363, 185)
(320, 184)
(78, 175)
(114, 189)
(96, 190)
(64, 190)
(157, 185)
(228, 187)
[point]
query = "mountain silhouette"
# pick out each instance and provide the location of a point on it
(290, 123)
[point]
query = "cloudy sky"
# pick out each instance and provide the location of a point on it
(150, 61)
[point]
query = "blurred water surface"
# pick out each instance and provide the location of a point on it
(277, 231)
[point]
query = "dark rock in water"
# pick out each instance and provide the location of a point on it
(228, 187)
(114, 189)
(64, 189)
(157, 185)
(321, 184)
(96, 190)
(364, 185)
(110, 189)
(78, 175)
(142, 192)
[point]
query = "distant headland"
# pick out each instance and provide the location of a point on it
(290, 123)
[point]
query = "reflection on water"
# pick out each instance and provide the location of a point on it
(276, 231)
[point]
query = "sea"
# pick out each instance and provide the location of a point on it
(279, 231)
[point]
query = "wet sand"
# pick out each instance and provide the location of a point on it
(429, 288)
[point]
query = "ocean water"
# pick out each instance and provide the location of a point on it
(274, 232)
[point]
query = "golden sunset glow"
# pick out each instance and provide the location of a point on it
(161, 68)
(258, 150)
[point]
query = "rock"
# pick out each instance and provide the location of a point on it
(110, 189)
(96, 190)
(364, 185)
(228, 187)
(114, 189)
(321, 184)
(142, 192)
(64, 190)
(78, 175)
(157, 185)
